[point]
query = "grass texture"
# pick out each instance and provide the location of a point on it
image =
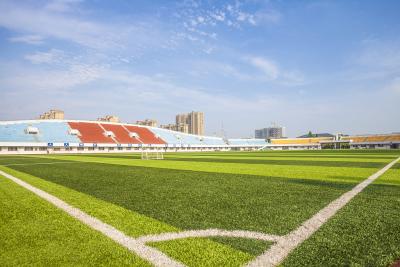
(35, 233)
(270, 192)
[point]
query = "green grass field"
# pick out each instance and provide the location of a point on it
(269, 192)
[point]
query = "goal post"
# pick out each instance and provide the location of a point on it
(146, 155)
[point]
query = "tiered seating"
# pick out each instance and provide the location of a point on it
(178, 138)
(190, 139)
(238, 142)
(16, 133)
(171, 137)
(55, 132)
(376, 138)
(393, 138)
(356, 139)
(213, 141)
(121, 134)
(145, 135)
(247, 142)
(257, 142)
(300, 141)
(373, 138)
(91, 132)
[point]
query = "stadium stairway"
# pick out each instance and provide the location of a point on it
(91, 132)
(121, 134)
(145, 135)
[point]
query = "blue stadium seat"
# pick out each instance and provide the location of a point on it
(247, 142)
(177, 138)
(49, 132)
(55, 132)
(213, 141)
(168, 136)
(15, 132)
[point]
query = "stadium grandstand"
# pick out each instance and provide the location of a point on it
(77, 136)
(299, 143)
(378, 141)
(246, 144)
(384, 141)
(69, 136)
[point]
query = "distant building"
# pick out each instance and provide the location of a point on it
(309, 135)
(171, 127)
(182, 119)
(196, 123)
(270, 132)
(147, 122)
(53, 114)
(109, 118)
(192, 123)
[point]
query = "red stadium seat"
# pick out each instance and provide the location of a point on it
(91, 132)
(145, 135)
(121, 134)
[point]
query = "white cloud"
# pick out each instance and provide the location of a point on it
(219, 16)
(52, 56)
(273, 73)
(255, 69)
(127, 36)
(23, 78)
(268, 67)
(29, 39)
(42, 22)
(85, 91)
(204, 17)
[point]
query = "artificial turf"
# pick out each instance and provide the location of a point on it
(198, 200)
(35, 233)
(262, 191)
(135, 224)
(366, 232)
(325, 173)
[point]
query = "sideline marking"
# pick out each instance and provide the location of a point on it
(150, 254)
(271, 257)
(280, 250)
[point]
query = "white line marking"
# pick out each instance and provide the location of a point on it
(272, 257)
(280, 250)
(208, 233)
(39, 163)
(154, 256)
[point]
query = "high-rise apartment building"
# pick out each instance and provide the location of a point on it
(181, 119)
(53, 114)
(171, 127)
(270, 132)
(196, 123)
(182, 127)
(192, 123)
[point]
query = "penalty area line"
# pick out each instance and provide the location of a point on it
(280, 250)
(150, 254)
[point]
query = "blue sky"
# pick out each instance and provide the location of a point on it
(325, 66)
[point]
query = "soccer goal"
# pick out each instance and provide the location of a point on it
(152, 154)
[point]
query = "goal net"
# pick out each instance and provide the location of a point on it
(152, 155)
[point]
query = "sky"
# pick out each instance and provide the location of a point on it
(324, 66)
